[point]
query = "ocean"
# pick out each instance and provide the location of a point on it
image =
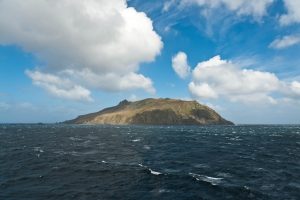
(149, 162)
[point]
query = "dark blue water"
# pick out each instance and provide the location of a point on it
(136, 162)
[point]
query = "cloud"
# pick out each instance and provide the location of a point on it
(133, 97)
(217, 78)
(180, 65)
(293, 12)
(256, 8)
(285, 42)
(26, 105)
(63, 88)
(111, 81)
(202, 90)
(168, 4)
(106, 38)
(4, 106)
(294, 89)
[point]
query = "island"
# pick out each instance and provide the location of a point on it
(154, 112)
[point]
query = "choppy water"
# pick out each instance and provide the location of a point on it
(136, 162)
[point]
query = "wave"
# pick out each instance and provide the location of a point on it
(147, 147)
(150, 170)
(208, 179)
(154, 172)
(136, 140)
(38, 149)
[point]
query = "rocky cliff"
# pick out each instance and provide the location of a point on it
(154, 112)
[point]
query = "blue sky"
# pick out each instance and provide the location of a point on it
(60, 59)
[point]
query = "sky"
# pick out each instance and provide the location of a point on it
(61, 58)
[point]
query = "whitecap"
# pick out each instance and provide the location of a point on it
(90, 152)
(38, 149)
(103, 161)
(91, 137)
(75, 139)
(147, 147)
(208, 179)
(136, 140)
(201, 166)
(150, 170)
(74, 153)
(154, 172)
(224, 175)
(141, 165)
(163, 191)
(246, 187)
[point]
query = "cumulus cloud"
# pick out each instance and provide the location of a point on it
(294, 89)
(217, 78)
(256, 8)
(293, 12)
(180, 65)
(106, 38)
(202, 90)
(285, 42)
(63, 88)
(110, 81)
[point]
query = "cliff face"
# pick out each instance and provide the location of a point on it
(154, 112)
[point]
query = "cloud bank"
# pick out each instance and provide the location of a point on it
(99, 43)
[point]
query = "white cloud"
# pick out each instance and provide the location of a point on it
(63, 88)
(256, 8)
(180, 65)
(294, 89)
(168, 4)
(133, 97)
(285, 42)
(220, 78)
(106, 38)
(4, 106)
(202, 90)
(293, 12)
(215, 107)
(253, 99)
(111, 81)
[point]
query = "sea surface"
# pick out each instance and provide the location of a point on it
(149, 162)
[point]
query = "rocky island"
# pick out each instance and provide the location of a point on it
(154, 112)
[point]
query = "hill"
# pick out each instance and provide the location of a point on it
(154, 112)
